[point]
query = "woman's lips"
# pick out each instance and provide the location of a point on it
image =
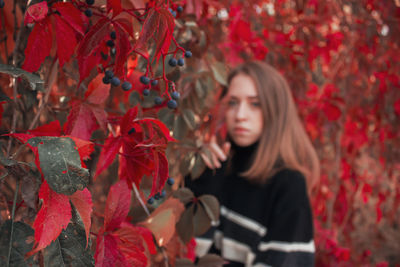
(240, 130)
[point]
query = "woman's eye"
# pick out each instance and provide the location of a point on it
(232, 103)
(256, 104)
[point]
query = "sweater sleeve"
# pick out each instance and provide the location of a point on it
(289, 239)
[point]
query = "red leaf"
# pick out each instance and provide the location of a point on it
(107, 253)
(127, 120)
(85, 148)
(81, 122)
(53, 216)
(123, 47)
(331, 111)
(82, 201)
(36, 12)
(115, 5)
(72, 15)
(397, 107)
(66, 40)
(131, 245)
(97, 91)
(88, 51)
(148, 29)
(39, 45)
(165, 31)
(160, 174)
(147, 238)
(164, 129)
(51, 129)
(108, 153)
(117, 205)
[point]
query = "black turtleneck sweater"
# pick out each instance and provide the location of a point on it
(266, 224)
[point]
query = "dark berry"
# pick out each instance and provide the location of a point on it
(179, 9)
(109, 74)
(188, 54)
(131, 131)
(88, 13)
(115, 81)
(150, 200)
(106, 80)
(113, 35)
(158, 100)
(173, 13)
(154, 82)
(126, 86)
(110, 43)
(172, 62)
(157, 196)
(172, 104)
(163, 193)
(181, 62)
(170, 181)
(144, 79)
(146, 92)
(2, 3)
(175, 95)
(90, 2)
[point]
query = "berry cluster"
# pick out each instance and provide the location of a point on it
(163, 193)
(180, 62)
(2, 3)
(88, 12)
(115, 81)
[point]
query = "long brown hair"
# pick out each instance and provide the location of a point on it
(284, 142)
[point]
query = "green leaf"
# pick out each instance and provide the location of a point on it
(189, 117)
(185, 195)
(201, 221)
(220, 73)
(183, 263)
(184, 227)
(34, 80)
(198, 167)
(61, 164)
(180, 128)
(211, 206)
(200, 90)
(21, 240)
(69, 249)
(167, 117)
(185, 163)
(211, 260)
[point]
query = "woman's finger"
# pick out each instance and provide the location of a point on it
(206, 161)
(217, 150)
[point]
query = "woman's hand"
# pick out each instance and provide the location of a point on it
(217, 153)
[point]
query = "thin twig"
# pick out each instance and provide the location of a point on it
(12, 222)
(46, 96)
(140, 199)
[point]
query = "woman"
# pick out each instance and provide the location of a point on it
(259, 176)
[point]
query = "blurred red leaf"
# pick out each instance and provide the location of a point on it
(72, 15)
(36, 12)
(331, 111)
(107, 253)
(396, 106)
(117, 205)
(81, 121)
(66, 40)
(115, 5)
(123, 47)
(39, 45)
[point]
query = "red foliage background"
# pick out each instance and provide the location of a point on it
(340, 58)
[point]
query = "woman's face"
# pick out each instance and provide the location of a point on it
(244, 117)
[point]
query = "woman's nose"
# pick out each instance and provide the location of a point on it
(242, 112)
